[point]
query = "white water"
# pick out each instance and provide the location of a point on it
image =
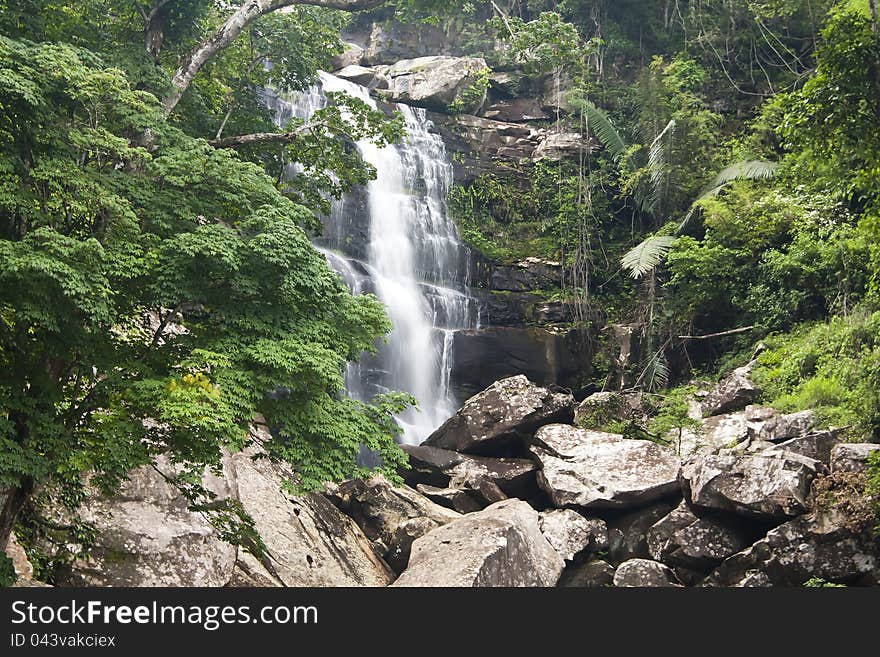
(412, 260)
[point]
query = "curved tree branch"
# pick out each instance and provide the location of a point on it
(233, 26)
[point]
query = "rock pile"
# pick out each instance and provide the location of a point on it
(509, 493)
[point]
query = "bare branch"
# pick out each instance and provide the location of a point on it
(261, 137)
(716, 335)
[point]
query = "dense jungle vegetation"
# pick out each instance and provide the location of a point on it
(735, 184)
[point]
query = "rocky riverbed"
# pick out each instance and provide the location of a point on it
(510, 492)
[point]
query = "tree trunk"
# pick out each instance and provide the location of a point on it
(872, 4)
(15, 500)
(154, 32)
(246, 14)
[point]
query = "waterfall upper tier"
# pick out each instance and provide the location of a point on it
(394, 238)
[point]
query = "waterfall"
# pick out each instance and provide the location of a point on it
(395, 239)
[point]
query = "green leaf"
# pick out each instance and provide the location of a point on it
(644, 257)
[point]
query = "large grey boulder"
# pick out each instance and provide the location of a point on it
(146, 535)
(683, 539)
(816, 445)
(590, 575)
(366, 77)
(398, 553)
(456, 499)
(733, 393)
(570, 533)
(438, 83)
(784, 427)
(516, 110)
(561, 145)
(644, 573)
(21, 565)
(769, 485)
(820, 544)
(591, 469)
(499, 546)
(603, 408)
(310, 542)
(379, 508)
(351, 55)
(852, 457)
(444, 468)
(506, 412)
(628, 533)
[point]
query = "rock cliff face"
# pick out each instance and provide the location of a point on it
(543, 504)
(492, 119)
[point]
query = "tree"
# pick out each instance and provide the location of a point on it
(232, 27)
(156, 295)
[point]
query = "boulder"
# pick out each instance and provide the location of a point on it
(351, 55)
(591, 469)
(309, 541)
(784, 427)
(24, 570)
(146, 535)
(644, 573)
(405, 535)
(527, 275)
(366, 77)
(733, 393)
(713, 435)
(438, 83)
(570, 533)
(852, 457)
(516, 110)
(816, 445)
(817, 545)
(561, 145)
(628, 533)
(379, 508)
(549, 356)
(683, 539)
(499, 546)
(444, 468)
(592, 574)
(768, 486)
(456, 499)
(603, 408)
(506, 412)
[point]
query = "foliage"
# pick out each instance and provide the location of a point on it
(673, 415)
(7, 571)
(831, 367)
(645, 256)
(155, 291)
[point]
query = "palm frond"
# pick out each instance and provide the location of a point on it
(658, 167)
(600, 125)
(644, 257)
(655, 374)
(745, 170)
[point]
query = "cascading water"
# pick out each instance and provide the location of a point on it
(408, 254)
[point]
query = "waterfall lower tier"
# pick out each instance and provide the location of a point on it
(411, 259)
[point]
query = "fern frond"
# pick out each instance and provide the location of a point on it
(644, 257)
(599, 123)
